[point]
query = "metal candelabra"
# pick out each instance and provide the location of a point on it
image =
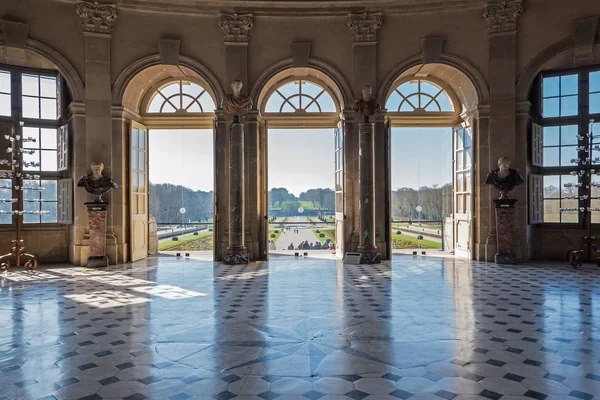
(12, 168)
(584, 162)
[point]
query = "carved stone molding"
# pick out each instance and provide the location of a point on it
(236, 28)
(97, 18)
(364, 26)
(501, 16)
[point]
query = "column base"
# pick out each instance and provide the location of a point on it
(97, 262)
(236, 257)
(369, 255)
(505, 258)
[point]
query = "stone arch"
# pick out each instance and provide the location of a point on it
(46, 57)
(475, 93)
(135, 82)
(283, 69)
(557, 55)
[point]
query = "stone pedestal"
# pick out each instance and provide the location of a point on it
(236, 250)
(368, 249)
(97, 225)
(505, 209)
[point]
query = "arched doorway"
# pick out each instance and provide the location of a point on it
(432, 110)
(171, 161)
(303, 110)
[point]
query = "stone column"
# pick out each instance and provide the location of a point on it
(504, 231)
(221, 202)
(368, 248)
(351, 224)
(97, 225)
(502, 21)
(236, 250)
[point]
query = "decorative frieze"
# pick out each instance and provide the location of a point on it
(236, 28)
(97, 18)
(502, 16)
(364, 26)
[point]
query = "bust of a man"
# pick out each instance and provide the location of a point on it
(367, 105)
(504, 178)
(96, 183)
(236, 103)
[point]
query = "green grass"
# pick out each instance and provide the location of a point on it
(416, 225)
(329, 234)
(272, 232)
(204, 241)
(410, 242)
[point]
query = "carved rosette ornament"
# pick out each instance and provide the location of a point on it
(364, 26)
(236, 28)
(502, 16)
(97, 18)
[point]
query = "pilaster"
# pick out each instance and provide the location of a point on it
(221, 206)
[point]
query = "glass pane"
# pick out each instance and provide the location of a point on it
(48, 109)
(568, 190)
(551, 186)
(33, 133)
(5, 218)
(568, 84)
(49, 160)
(193, 89)
(142, 160)
(155, 104)
(31, 219)
(134, 137)
(550, 86)
(551, 136)
(550, 107)
(48, 86)
(134, 159)
(393, 101)
(49, 139)
(467, 160)
(134, 182)
(142, 182)
(5, 189)
(52, 217)
(460, 178)
(31, 107)
(168, 108)
(595, 192)
(170, 89)
(568, 135)
(4, 82)
(274, 103)
(568, 106)
(5, 106)
(467, 181)
(551, 210)
(34, 159)
(569, 216)
(459, 160)
(568, 155)
(551, 156)
(49, 192)
(30, 85)
(207, 103)
(142, 139)
(185, 101)
(595, 81)
(594, 103)
(194, 108)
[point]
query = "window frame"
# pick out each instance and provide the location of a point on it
(16, 73)
(581, 120)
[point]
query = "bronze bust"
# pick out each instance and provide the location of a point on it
(504, 178)
(96, 183)
(237, 103)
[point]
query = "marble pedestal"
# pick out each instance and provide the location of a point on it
(236, 250)
(504, 231)
(97, 225)
(369, 251)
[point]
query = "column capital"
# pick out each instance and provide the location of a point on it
(97, 18)
(502, 16)
(364, 26)
(236, 27)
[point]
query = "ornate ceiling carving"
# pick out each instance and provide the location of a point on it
(364, 26)
(95, 17)
(236, 28)
(501, 16)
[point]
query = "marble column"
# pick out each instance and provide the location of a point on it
(505, 209)
(236, 250)
(97, 226)
(368, 249)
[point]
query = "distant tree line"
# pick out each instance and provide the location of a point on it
(319, 198)
(166, 200)
(405, 202)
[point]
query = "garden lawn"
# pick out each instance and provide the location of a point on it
(272, 232)
(410, 242)
(329, 234)
(204, 241)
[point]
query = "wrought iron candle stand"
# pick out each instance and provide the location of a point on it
(585, 170)
(12, 168)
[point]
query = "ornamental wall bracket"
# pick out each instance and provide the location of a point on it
(96, 17)
(236, 27)
(502, 16)
(364, 26)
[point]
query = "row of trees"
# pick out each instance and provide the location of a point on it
(319, 198)
(166, 201)
(405, 202)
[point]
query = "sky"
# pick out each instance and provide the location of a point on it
(300, 159)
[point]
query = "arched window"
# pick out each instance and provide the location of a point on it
(419, 96)
(300, 96)
(181, 97)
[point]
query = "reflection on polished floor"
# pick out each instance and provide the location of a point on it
(418, 328)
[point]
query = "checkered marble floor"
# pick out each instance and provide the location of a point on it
(418, 328)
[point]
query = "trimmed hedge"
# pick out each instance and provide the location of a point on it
(195, 233)
(321, 235)
(273, 236)
(399, 232)
(175, 238)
